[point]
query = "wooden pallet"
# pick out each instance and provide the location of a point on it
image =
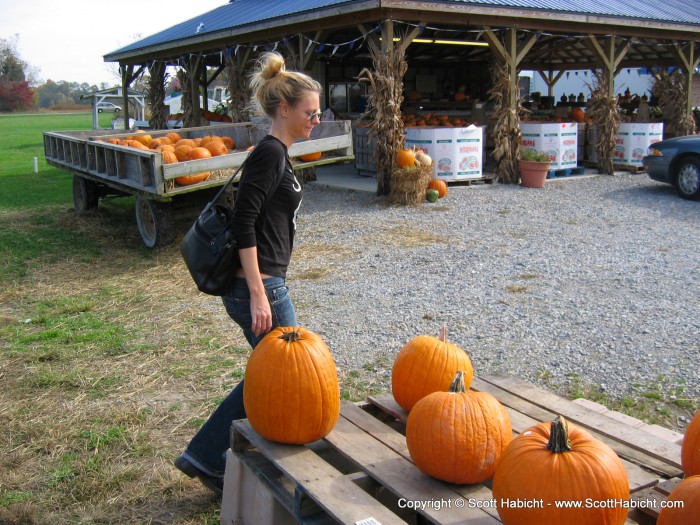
(487, 179)
(651, 498)
(565, 172)
(363, 471)
(632, 168)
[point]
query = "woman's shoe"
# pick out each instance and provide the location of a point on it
(213, 483)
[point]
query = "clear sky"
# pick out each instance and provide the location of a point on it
(66, 39)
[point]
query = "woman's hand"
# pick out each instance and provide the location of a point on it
(261, 313)
(260, 310)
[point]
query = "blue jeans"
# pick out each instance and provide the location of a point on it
(207, 449)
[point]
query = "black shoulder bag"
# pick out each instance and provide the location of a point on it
(209, 248)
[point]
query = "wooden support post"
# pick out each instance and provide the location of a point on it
(388, 36)
(551, 79)
(306, 56)
(512, 54)
(610, 57)
(372, 39)
(126, 71)
(193, 73)
(689, 61)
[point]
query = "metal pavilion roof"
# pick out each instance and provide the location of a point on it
(236, 16)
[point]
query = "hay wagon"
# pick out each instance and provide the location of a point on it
(101, 169)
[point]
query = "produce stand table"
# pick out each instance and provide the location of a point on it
(362, 471)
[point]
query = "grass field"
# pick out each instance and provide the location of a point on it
(105, 374)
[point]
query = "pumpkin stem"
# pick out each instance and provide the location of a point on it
(443, 333)
(457, 386)
(291, 337)
(559, 436)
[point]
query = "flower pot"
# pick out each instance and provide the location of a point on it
(533, 174)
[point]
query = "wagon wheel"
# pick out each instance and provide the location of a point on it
(85, 194)
(154, 221)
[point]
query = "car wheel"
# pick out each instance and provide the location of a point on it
(117, 110)
(688, 178)
(99, 110)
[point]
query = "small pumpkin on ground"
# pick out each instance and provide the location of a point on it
(688, 492)
(291, 392)
(458, 436)
(438, 185)
(690, 449)
(555, 462)
(425, 365)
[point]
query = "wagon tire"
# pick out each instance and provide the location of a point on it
(688, 178)
(154, 221)
(85, 194)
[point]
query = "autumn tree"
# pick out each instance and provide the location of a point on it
(16, 93)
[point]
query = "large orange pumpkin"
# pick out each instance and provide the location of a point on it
(199, 153)
(686, 509)
(188, 180)
(438, 185)
(310, 157)
(216, 148)
(183, 152)
(185, 142)
(690, 449)
(142, 137)
(136, 144)
(554, 462)
(168, 157)
(174, 137)
(291, 392)
(458, 436)
(405, 158)
(425, 365)
(229, 142)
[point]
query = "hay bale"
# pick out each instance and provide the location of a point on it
(408, 185)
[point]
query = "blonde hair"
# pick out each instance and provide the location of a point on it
(271, 84)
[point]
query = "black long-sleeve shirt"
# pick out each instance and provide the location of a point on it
(270, 229)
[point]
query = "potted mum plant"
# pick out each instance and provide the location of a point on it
(534, 166)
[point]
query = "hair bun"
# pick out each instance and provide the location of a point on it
(271, 64)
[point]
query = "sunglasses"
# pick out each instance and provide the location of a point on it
(312, 115)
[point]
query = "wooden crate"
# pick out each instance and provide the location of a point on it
(364, 151)
(362, 470)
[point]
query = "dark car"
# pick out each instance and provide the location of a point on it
(676, 161)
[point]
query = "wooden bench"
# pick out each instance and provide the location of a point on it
(362, 471)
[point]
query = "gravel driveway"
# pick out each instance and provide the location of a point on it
(595, 280)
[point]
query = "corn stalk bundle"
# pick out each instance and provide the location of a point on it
(155, 96)
(670, 91)
(384, 110)
(239, 100)
(186, 107)
(603, 110)
(505, 123)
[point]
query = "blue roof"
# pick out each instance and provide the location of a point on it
(237, 14)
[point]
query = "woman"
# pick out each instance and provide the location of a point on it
(259, 300)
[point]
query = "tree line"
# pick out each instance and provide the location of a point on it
(21, 91)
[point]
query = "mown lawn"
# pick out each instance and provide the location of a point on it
(109, 359)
